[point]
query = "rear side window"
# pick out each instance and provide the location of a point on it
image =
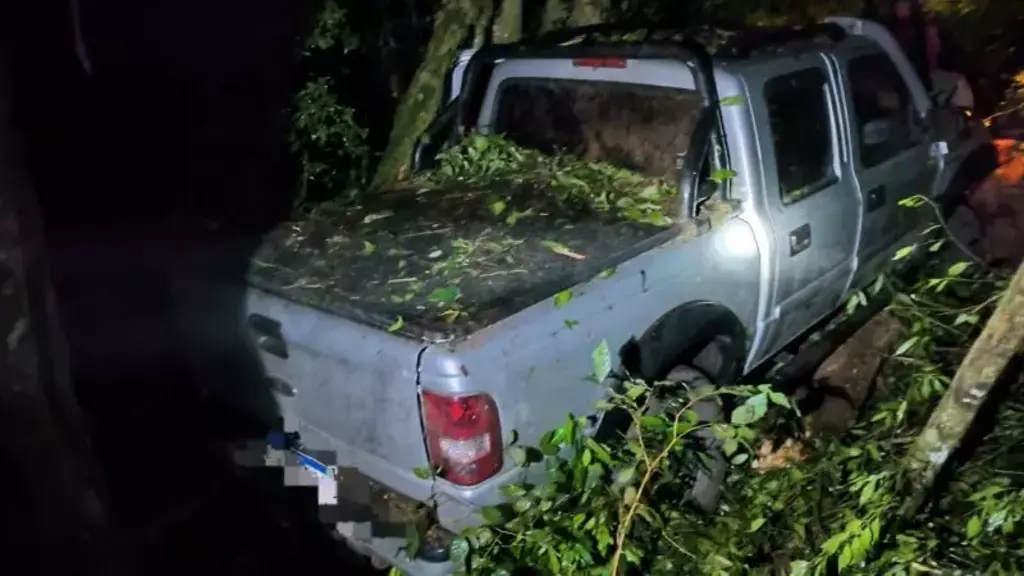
(882, 108)
(801, 132)
(638, 127)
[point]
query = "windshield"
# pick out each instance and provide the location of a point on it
(634, 126)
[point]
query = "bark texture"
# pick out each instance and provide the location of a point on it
(508, 23)
(573, 13)
(418, 106)
(985, 363)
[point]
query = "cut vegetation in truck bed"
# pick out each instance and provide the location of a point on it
(494, 229)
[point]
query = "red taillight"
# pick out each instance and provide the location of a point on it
(463, 436)
(599, 62)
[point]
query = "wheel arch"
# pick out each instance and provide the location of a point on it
(680, 334)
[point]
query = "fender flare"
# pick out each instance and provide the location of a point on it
(683, 331)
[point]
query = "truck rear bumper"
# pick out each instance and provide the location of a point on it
(369, 517)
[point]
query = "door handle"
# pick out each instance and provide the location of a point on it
(799, 239)
(875, 198)
(268, 335)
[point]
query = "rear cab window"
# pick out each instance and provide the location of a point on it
(801, 129)
(882, 107)
(619, 116)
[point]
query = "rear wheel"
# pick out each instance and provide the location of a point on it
(667, 399)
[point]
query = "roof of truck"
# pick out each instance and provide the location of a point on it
(722, 42)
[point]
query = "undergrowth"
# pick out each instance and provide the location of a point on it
(793, 503)
(487, 160)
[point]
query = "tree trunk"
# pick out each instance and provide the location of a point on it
(56, 506)
(589, 12)
(419, 104)
(556, 15)
(574, 13)
(508, 25)
(986, 361)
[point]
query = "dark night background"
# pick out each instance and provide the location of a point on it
(156, 172)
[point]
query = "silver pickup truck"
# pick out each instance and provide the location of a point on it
(792, 151)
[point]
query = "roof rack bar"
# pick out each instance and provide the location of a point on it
(755, 38)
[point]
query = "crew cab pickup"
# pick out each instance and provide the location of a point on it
(789, 151)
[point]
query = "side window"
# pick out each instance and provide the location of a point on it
(801, 132)
(882, 109)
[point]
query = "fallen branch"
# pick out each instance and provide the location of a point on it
(985, 363)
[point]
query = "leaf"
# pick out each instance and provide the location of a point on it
(832, 544)
(423, 473)
(845, 557)
(606, 273)
(458, 552)
(625, 476)
(396, 325)
(634, 391)
(563, 298)
(601, 359)
(570, 324)
(906, 346)
(965, 318)
(903, 253)
(444, 295)
(756, 524)
(368, 248)
(599, 451)
(868, 491)
(730, 446)
(743, 415)
(957, 269)
(732, 101)
(878, 285)
(721, 175)
(497, 206)
(799, 568)
(778, 398)
(740, 459)
(562, 250)
(974, 526)
(492, 514)
(629, 494)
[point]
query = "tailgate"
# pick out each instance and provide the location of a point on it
(345, 387)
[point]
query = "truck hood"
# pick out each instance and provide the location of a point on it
(437, 263)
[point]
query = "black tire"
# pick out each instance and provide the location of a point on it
(709, 479)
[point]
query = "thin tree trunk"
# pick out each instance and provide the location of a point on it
(556, 15)
(508, 25)
(420, 102)
(589, 12)
(986, 361)
(56, 510)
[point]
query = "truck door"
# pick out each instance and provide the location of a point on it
(891, 156)
(812, 201)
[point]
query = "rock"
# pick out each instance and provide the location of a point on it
(846, 378)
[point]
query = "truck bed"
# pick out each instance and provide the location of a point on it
(434, 262)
